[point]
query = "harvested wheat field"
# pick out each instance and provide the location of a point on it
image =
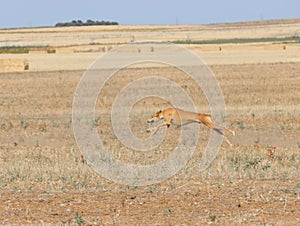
(46, 180)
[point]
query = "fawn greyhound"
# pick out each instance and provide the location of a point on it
(180, 117)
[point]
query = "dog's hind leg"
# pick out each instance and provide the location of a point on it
(222, 133)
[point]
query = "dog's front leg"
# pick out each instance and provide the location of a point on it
(156, 128)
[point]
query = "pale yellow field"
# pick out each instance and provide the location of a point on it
(78, 36)
(78, 47)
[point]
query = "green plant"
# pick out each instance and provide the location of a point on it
(284, 40)
(23, 49)
(79, 220)
(252, 163)
(169, 209)
(23, 124)
(212, 217)
(241, 125)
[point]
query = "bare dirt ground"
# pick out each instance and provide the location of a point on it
(45, 180)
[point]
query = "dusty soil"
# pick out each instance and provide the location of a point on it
(247, 202)
(45, 180)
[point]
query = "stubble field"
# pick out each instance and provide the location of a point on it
(45, 179)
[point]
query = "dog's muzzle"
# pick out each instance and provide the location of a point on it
(150, 120)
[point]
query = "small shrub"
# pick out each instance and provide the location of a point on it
(213, 217)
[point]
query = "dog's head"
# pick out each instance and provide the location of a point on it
(155, 117)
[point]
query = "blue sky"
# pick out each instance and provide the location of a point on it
(31, 13)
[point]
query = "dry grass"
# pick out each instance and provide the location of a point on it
(44, 179)
(39, 159)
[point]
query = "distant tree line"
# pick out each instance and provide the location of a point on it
(87, 23)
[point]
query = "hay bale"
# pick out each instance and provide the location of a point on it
(13, 65)
(39, 51)
(136, 49)
(275, 47)
(128, 49)
(209, 48)
(64, 50)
